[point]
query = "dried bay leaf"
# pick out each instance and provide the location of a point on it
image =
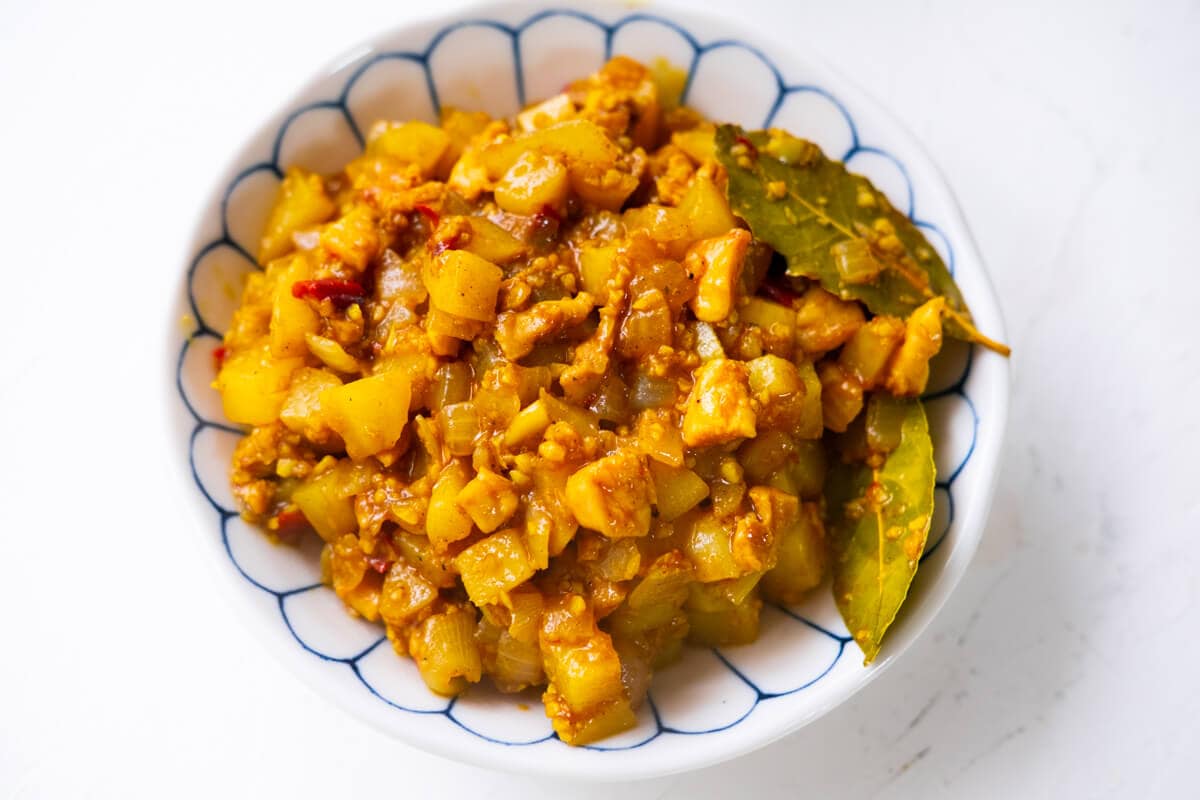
(835, 227)
(879, 511)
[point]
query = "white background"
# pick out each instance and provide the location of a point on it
(1065, 664)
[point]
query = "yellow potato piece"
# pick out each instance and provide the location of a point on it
(464, 285)
(370, 413)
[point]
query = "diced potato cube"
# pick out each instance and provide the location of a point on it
(616, 560)
(775, 321)
(605, 188)
(443, 325)
(411, 142)
(697, 143)
(353, 238)
(677, 490)
(597, 263)
(721, 595)
(771, 377)
(802, 558)
(585, 675)
(811, 424)
(909, 370)
(776, 384)
(301, 411)
(736, 624)
(612, 495)
(706, 209)
(577, 142)
(461, 126)
(665, 225)
(493, 566)
(528, 425)
(709, 546)
(254, 385)
(347, 563)
(300, 203)
(464, 285)
(536, 181)
(823, 322)
(525, 602)
(370, 413)
(717, 263)
(445, 522)
(550, 111)
(326, 505)
(658, 436)
(654, 603)
(489, 499)
(841, 396)
(756, 535)
(665, 582)
(765, 454)
(582, 729)
(492, 243)
(469, 175)
(292, 318)
(867, 355)
(364, 598)
(443, 646)
(718, 408)
(809, 468)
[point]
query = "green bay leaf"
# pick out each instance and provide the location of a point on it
(821, 217)
(878, 517)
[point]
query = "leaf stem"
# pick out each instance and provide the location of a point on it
(975, 336)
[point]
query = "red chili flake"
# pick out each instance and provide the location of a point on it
(431, 216)
(219, 356)
(452, 242)
(749, 145)
(780, 294)
(341, 293)
(380, 565)
(289, 523)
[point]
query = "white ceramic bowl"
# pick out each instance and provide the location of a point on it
(715, 704)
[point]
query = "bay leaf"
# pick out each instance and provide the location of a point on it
(878, 516)
(814, 212)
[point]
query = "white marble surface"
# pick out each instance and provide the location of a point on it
(1064, 666)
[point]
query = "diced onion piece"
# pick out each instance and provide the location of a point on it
(331, 354)
(678, 490)
(445, 522)
(444, 648)
(855, 262)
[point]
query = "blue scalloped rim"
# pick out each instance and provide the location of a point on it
(204, 330)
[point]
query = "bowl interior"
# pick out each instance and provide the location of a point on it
(715, 703)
